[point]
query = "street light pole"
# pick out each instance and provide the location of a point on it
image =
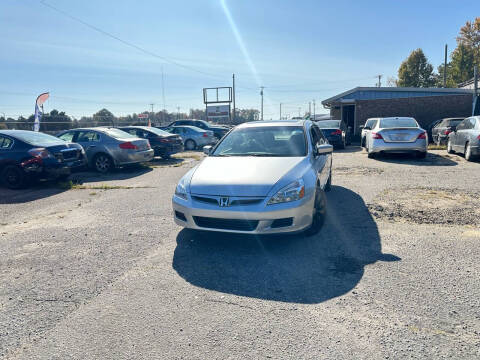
(313, 109)
(261, 94)
(280, 111)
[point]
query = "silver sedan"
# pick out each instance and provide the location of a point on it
(263, 177)
(107, 148)
(396, 135)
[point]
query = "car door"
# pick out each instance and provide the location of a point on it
(90, 141)
(471, 133)
(6, 150)
(321, 163)
(461, 135)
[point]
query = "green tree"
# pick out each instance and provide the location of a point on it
(416, 71)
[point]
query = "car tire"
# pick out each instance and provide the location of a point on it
(102, 163)
(362, 143)
(421, 155)
(319, 209)
(13, 177)
(371, 155)
(190, 145)
(449, 147)
(439, 141)
(166, 156)
(63, 178)
(328, 185)
(342, 145)
(468, 152)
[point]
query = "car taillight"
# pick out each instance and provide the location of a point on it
(337, 132)
(478, 137)
(128, 146)
(205, 134)
(376, 135)
(422, 136)
(40, 153)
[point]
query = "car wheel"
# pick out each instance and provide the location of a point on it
(421, 155)
(468, 152)
(449, 147)
(328, 185)
(190, 145)
(362, 144)
(64, 177)
(319, 212)
(439, 141)
(342, 145)
(370, 154)
(102, 163)
(166, 156)
(13, 177)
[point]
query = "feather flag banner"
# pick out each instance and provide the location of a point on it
(38, 113)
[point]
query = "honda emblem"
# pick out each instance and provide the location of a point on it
(224, 201)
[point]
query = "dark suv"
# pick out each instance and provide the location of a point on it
(218, 131)
(441, 130)
(28, 154)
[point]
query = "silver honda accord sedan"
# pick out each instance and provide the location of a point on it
(263, 177)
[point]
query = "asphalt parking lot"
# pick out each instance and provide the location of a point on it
(97, 269)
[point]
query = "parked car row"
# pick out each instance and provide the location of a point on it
(28, 154)
(465, 138)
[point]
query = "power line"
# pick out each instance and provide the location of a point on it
(127, 43)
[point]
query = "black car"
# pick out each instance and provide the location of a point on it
(441, 130)
(218, 131)
(334, 131)
(163, 143)
(465, 138)
(430, 127)
(28, 154)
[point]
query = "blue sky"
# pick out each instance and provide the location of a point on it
(299, 50)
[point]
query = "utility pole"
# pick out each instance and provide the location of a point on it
(233, 90)
(299, 111)
(163, 96)
(314, 109)
(476, 96)
(379, 80)
(280, 111)
(151, 104)
(309, 108)
(261, 94)
(445, 68)
(178, 112)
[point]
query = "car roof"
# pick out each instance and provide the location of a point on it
(188, 127)
(274, 123)
(13, 132)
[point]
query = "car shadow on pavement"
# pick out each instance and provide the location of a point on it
(124, 173)
(290, 268)
(34, 192)
(430, 160)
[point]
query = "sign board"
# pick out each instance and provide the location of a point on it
(220, 111)
(142, 116)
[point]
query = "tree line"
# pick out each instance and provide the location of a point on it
(417, 71)
(58, 120)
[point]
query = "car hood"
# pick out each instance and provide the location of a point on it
(240, 176)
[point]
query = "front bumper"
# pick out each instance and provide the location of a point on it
(379, 145)
(300, 211)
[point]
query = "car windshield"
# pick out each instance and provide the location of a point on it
(118, 134)
(283, 141)
(400, 122)
(38, 138)
(326, 124)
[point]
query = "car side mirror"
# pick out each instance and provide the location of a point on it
(323, 149)
(361, 126)
(207, 149)
(367, 128)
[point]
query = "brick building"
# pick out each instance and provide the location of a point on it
(424, 104)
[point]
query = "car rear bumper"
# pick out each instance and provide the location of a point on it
(167, 150)
(379, 145)
(294, 217)
(135, 157)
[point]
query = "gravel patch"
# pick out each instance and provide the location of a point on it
(427, 206)
(357, 171)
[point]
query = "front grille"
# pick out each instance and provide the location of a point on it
(204, 199)
(226, 224)
(215, 200)
(70, 154)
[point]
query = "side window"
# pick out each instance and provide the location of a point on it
(88, 136)
(461, 125)
(5, 143)
(68, 136)
(130, 131)
(316, 137)
(200, 124)
(471, 123)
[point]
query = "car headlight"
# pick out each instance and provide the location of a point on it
(181, 190)
(291, 192)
